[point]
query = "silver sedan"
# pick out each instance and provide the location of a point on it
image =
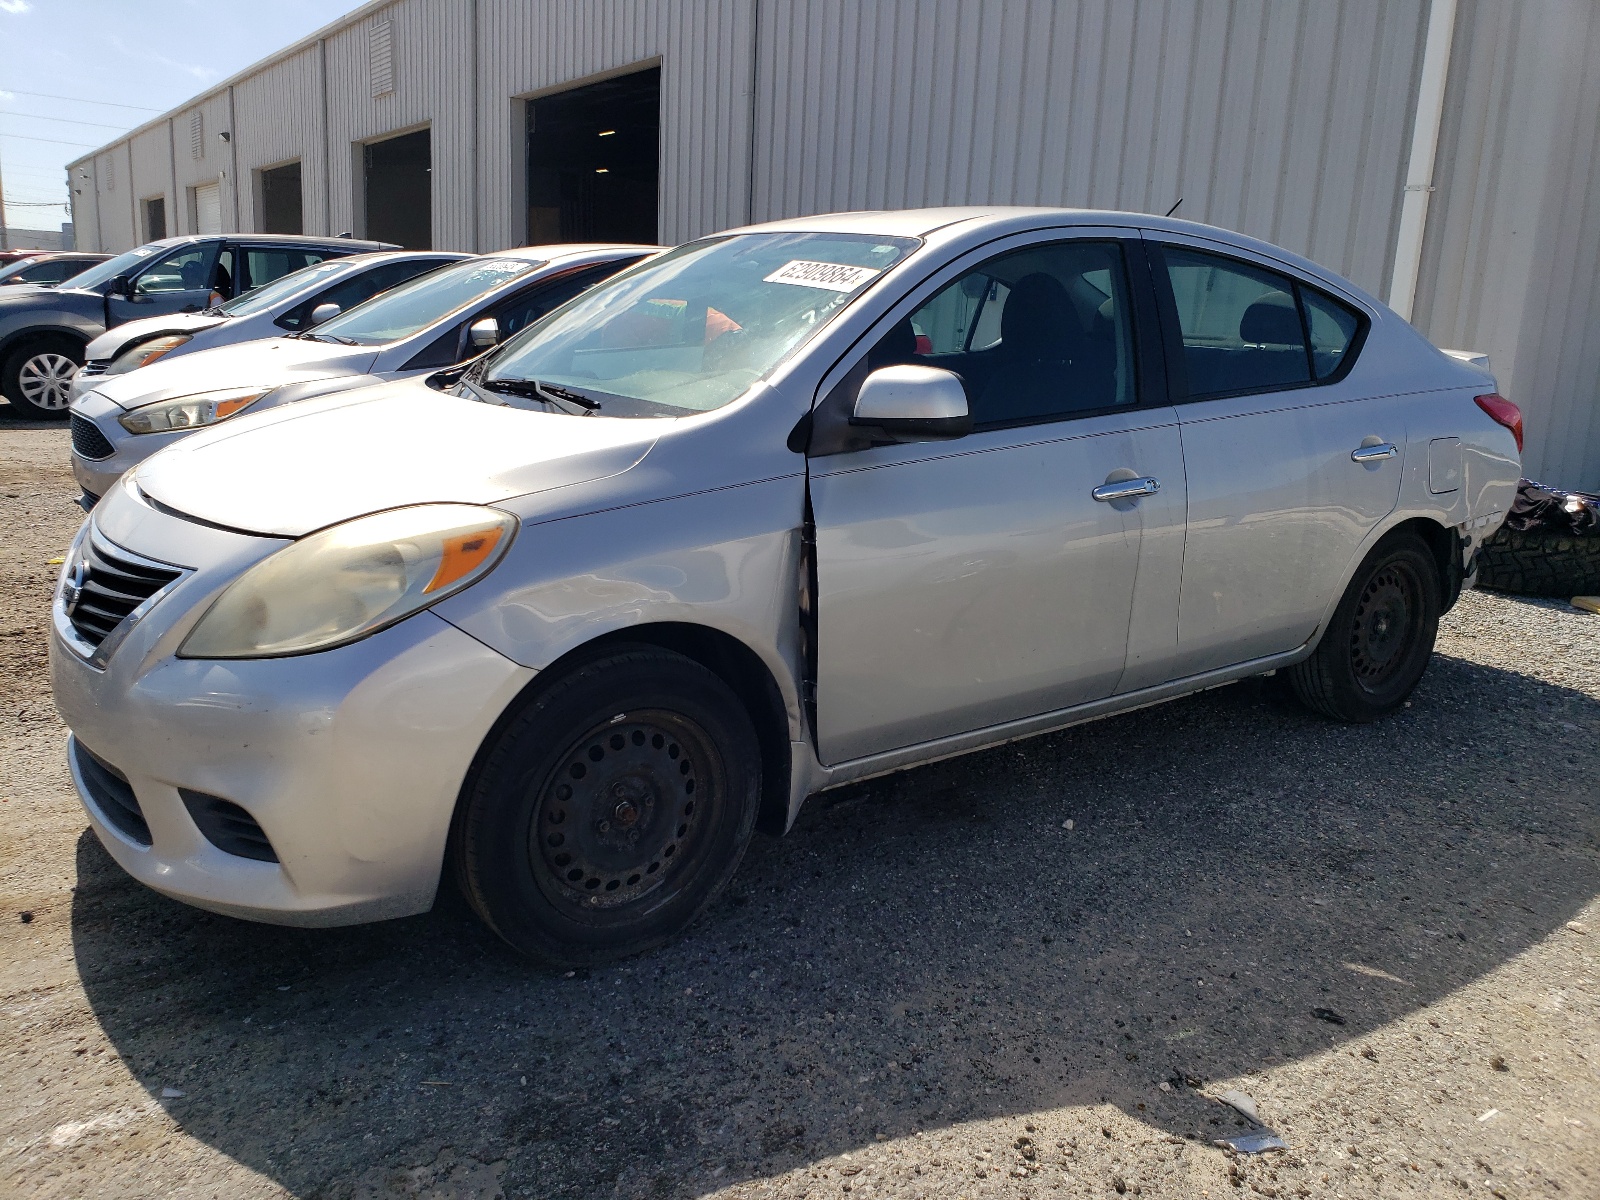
(782, 509)
(426, 323)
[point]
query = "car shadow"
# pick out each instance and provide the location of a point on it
(931, 949)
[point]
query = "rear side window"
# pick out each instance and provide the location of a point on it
(1240, 324)
(1333, 329)
(262, 265)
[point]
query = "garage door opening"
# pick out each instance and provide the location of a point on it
(280, 200)
(205, 208)
(594, 161)
(399, 187)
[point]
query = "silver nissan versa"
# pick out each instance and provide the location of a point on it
(781, 509)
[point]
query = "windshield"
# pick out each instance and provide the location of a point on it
(402, 311)
(122, 264)
(692, 330)
(268, 294)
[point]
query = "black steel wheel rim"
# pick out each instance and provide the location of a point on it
(623, 818)
(1385, 624)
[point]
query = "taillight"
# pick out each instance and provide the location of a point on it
(1502, 412)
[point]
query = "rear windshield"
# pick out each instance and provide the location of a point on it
(691, 330)
(264, 297)
(420, 302)
(122, 264)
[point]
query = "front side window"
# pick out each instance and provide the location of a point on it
(261, 298)
(183, 270)
(1037, 334)
(690, 331)
(348, 293)
(1240, 325)
(420, 302)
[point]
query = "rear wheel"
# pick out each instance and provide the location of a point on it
(37, 377)
(611, 810)
(1381, 637)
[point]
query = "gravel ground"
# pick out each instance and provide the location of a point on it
(1023, 973)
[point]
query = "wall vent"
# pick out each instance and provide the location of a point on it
(380, 57)
(108, 176)
(197, 136)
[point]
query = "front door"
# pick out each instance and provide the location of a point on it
(964, 584)
(1289, 464)
(179, 281)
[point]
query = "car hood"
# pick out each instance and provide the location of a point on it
(271, 362)
(292, 470)
(110, 343)
(23, 296)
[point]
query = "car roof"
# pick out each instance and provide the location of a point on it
(556, 250)
(274, 239)
(50, 255)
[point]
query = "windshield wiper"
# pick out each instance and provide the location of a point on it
(532, 389)
(311, 335)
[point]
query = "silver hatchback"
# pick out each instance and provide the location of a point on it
(781, 509)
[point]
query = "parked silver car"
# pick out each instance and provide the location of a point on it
(781, 509)
(420, 326)
(293, 304)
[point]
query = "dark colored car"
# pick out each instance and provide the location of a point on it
(49, 269)
(44, 330)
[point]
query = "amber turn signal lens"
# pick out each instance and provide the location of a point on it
(462, 555)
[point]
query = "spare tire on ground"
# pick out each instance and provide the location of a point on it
(1549, 545)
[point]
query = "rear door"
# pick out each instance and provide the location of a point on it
(964, 584)
(1270, 420)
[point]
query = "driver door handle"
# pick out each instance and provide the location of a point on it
(1126, 489)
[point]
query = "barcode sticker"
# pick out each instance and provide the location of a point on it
(836, 277)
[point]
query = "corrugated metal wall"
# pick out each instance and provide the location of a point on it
(1511, 261)
(1286, 119)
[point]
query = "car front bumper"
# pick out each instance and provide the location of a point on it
(350, 760)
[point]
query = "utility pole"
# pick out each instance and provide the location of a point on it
(5, 236)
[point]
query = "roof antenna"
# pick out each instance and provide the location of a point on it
(1174, 208)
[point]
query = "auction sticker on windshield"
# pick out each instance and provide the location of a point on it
(836, 277)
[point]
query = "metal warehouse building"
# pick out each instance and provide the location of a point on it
(1441, 153)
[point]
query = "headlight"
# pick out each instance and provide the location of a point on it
(350, 580)
(190, 412)
(145, 353)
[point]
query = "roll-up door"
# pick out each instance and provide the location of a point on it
(208, 208)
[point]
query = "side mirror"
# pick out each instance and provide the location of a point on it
(323, 312)
(913, 404)
(483, 334)
(120, 285)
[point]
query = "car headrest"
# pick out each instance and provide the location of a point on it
(1038, 320)
(1272, 320)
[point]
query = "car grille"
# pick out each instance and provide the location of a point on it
(112, 794)
(87, 440)
(227, 826)
(96, 366)
(112, 587)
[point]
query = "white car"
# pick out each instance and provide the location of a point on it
(292, 304)
(782, 509)
(430, 322)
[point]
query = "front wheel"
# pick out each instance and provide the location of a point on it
(37, 377)
(1380, 640)
(611, 809)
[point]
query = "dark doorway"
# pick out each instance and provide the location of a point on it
(155, 219)
(399, 174)
(280, 200)
(594, 160)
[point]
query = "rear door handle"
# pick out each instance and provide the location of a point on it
(1126, 489)
(1366, 454)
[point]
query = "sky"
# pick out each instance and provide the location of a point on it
(84, 71)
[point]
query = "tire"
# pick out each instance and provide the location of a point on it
(1541, 563)
(1380, 640)
(610, 810)
(37, 377)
